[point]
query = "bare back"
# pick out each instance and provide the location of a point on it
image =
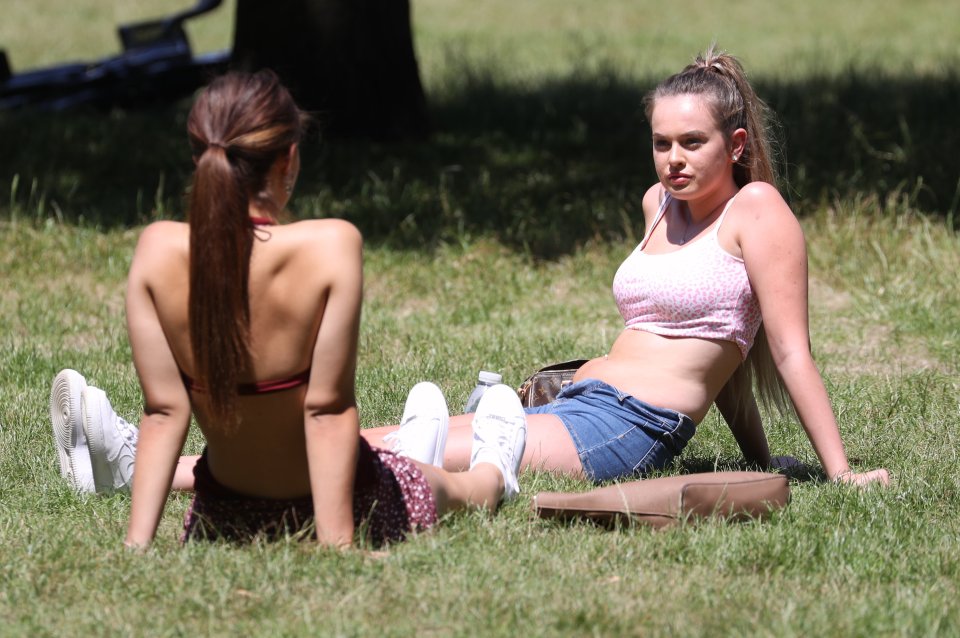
(305, 287)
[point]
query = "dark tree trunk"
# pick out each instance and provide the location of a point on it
(349, 61)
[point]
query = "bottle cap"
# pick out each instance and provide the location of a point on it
(491, 378)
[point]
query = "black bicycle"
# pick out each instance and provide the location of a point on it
(155, 64)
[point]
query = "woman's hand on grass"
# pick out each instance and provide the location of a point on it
(861, 479)
(135, 547)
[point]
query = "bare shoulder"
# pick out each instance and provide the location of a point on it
(767, 232)
(329, 233)
(163, 233)
(760, 212)
(760, 201)
(163, 248)
(160, 240)
(329, 248)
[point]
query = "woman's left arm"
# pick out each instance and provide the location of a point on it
(775, 255)
(331, 421)
(166, 418)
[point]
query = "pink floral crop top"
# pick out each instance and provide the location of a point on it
(699, 291)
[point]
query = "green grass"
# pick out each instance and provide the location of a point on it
(834, 561)
(492, 245)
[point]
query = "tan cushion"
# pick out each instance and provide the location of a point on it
(661, 502)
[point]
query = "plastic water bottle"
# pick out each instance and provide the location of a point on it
(485, 380)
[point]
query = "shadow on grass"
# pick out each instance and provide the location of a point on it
(797, 473)
(542, 167)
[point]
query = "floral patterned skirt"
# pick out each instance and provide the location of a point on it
(391, 498)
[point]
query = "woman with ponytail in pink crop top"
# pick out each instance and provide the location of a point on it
(714, 301)
(251, 327)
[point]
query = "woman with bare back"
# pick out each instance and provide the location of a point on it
(251, 327)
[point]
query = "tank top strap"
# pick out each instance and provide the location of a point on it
(723, 215)
(656, 220)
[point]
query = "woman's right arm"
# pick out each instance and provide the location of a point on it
(331, 422)
(166, 417)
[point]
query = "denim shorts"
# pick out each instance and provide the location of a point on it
(618, 436)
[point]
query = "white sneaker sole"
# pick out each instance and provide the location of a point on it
(66, 415)
(93, 417)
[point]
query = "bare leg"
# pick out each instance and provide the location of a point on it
(549, 446)
(183, 475)
(480, 487)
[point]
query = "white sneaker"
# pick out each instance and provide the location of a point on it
(111, 440)
(422, 435)
(68, 436)
(500, 434)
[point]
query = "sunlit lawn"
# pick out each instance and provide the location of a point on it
(493, 246)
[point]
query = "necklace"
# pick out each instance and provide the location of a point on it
(708, 219)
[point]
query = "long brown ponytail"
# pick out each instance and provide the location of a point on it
(720, 79)
(238, 128)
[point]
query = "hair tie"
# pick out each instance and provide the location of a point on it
(216, 145)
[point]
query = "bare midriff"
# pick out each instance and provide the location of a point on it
(682, 374)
